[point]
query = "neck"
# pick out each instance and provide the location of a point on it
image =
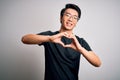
(68, 31)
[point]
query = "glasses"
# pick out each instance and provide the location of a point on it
(74, 17)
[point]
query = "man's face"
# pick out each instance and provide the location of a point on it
(69, 19)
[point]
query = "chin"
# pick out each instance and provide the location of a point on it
(69, 28)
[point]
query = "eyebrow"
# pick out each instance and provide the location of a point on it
(71, 14)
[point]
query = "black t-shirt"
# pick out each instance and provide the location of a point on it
(62, 63)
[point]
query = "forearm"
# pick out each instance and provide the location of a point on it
(91, 57)
(34, 39)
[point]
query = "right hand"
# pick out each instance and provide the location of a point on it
(57, 38)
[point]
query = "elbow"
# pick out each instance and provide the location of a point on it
(25, 39)
(98, 64)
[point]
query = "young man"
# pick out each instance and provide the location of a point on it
(63, 48)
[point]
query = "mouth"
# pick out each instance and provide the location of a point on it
(69, 24)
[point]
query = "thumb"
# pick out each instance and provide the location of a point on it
(70, 46)
(61, 43)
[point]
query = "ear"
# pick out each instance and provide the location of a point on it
(60, 19)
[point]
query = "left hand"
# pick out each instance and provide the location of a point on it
(74, 44)
(89, 55)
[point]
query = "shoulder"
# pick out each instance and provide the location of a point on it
(80, 39)
(84, 43)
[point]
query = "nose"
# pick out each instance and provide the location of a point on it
(70, 18)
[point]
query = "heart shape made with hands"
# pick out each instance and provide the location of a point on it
(70, 41)
(66, 40)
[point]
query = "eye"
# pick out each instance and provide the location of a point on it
(75, 17)
(68, 15)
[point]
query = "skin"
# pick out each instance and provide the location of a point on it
(67, 26)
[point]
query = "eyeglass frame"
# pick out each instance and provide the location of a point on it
(74, 17)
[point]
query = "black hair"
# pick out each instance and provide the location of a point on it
(72, 6)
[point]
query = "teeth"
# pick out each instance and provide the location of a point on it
(69, 24)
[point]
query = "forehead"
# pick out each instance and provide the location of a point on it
(71, 11)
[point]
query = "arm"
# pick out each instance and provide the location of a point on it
(38, 39)
(89, 55)
(34, 39)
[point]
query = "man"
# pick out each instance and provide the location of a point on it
(63, 48)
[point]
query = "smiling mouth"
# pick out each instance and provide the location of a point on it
(69, 24)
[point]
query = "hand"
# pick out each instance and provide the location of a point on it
(74, 44)
(57, 38)
(89, 55)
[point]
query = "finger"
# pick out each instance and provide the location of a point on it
(66, 35)
(61, 43)
(68, 45)
(62, 34)
(72, 35)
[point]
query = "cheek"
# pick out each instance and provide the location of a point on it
(75, 23)
(63, 21)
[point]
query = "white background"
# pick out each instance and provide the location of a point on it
(99, 25)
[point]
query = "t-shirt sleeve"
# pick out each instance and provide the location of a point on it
(45, 34)
(84, 44)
